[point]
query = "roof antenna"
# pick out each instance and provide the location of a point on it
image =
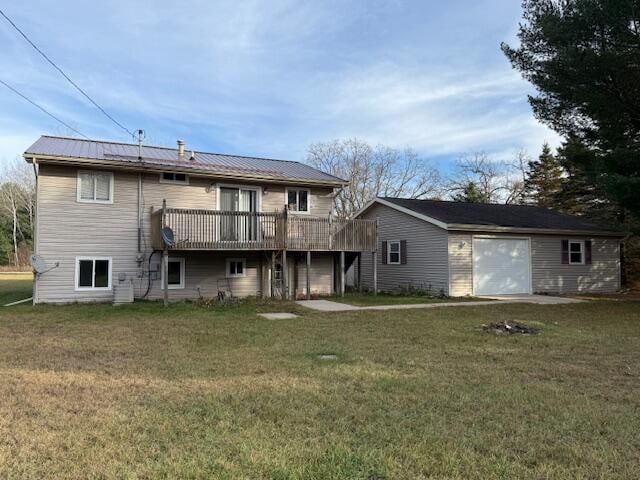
(141, 136)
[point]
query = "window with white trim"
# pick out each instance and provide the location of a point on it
(393, 252)
(93, 273)
(236, 267)
(176, 273)
(298, 199)
(576, 252)
(172, 177)
(95, 187)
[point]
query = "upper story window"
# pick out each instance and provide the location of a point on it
(172, 177)
(95, 187)
(298, 200)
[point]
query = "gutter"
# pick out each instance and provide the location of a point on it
(54, 160)
(539, 231)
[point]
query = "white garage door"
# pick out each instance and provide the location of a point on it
(501, 266)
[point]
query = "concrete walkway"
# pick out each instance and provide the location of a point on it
(329, 306)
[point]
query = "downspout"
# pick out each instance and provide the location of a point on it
(139, 214)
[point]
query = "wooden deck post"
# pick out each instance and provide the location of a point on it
(285, 276)
(165, 259)
(342, 273)
(262, 276)
(273, 274)
(359, 267)
(374, 259)
(308, 273)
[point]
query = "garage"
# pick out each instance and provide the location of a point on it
(501, 266)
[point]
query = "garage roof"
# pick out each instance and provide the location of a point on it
(493, 217)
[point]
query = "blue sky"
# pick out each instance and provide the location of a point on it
(268, 78)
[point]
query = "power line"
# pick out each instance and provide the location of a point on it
(42, 108)
(65, 75)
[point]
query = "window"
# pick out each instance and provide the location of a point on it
(576, 252)
(236, 267)
(172, 177)
(95, 187)
(298, 200)
(176, 273)
(393, 253)
(93, 273)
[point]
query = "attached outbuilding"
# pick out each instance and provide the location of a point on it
(459, 249)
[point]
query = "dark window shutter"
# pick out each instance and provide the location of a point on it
(403, 252)
(587, 252)
(565, 252)
(384, 253)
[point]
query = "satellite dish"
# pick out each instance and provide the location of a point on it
(37, 263)
(167, 236)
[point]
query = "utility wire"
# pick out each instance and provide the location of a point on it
(65, 75)
(42, 108)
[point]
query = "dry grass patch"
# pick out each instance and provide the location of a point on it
(142, 392)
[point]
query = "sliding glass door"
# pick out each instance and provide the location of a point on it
(243, 226)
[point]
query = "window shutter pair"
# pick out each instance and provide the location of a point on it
(403, 252)
(565, 252)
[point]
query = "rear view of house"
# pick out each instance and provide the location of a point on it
(484, 249)
(119, 221)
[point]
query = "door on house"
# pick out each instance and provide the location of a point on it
(238, 228)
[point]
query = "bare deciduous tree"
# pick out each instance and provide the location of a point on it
(373, 171)
(496, 182)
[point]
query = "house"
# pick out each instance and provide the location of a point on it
(485, 249)
(118, 221)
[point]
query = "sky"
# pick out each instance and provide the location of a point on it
(269, 78)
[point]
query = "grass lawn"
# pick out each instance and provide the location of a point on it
(364, 300)
(15, 286)
(145, 392)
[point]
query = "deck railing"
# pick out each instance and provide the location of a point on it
(198, 229)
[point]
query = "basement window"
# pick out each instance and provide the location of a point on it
(172, 177)
(93, 273)
(236, 267)
(176, 274)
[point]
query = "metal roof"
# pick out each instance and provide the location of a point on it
(152, 156)
(489, 215)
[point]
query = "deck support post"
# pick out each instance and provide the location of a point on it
(273, 274)
(285, 276)
(374, 260)
(307, 275)
(359, 267)
(262, 277)
(342, 279)
(165, 260)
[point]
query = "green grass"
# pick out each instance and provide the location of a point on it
(364, 300)
(139, 391)
(15, 286)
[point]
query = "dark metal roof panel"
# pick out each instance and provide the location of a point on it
(160, 156)
(497, 215)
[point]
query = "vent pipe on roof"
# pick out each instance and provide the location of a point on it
(193, 155)
(180, 149)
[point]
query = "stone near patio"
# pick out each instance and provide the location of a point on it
(278, 316)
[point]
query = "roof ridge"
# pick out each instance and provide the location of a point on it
(473, 203)
(111, 142)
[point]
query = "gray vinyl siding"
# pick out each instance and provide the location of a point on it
(67, 229)
(426, 265)
(320, 274)
(548, 273)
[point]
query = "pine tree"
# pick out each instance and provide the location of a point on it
(471, 193)
(544, 179)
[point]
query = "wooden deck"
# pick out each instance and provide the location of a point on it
(197, 229)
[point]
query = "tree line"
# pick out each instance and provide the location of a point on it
(17, 214)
